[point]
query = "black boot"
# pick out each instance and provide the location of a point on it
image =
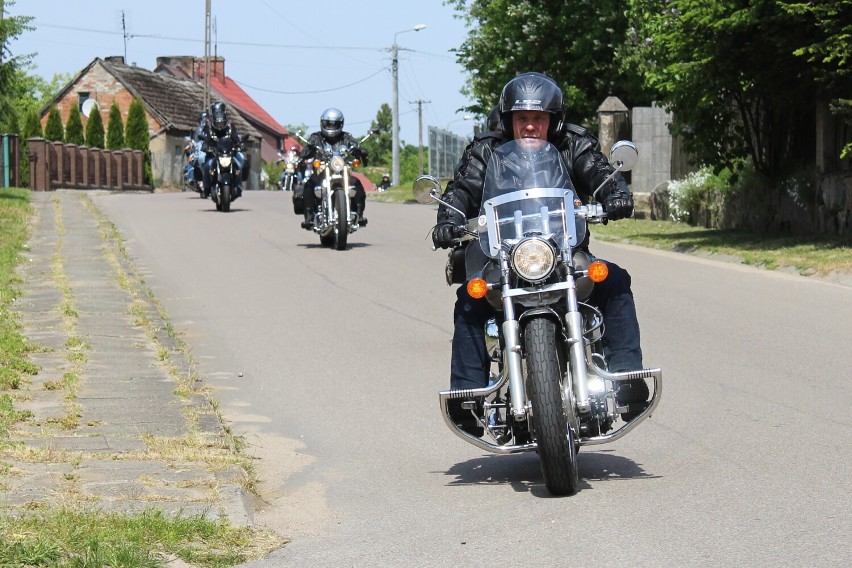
(634, 395)
(361, 219)
(464, 418)
(308, 223)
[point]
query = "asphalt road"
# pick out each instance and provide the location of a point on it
(328, 364)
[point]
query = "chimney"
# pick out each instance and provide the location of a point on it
(114, 59)
(182, 62)
(217, 67)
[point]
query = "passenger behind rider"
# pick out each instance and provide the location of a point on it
(197, 163)
(331, 132)
(221, 128)
(531, 106)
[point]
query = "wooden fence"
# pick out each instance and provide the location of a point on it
(55, 165)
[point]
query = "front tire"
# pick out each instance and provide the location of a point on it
(225, 198)
(556, 444)
(341, 224)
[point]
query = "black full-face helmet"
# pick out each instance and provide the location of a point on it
(219, 115)
(531, 91)
(493, 123)
(331, 123)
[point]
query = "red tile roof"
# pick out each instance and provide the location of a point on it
(240, 99)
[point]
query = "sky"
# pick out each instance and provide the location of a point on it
(294, 58)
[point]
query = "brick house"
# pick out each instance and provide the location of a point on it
(172, 105)
(274, 137)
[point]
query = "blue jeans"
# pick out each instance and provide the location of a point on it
(470, 363)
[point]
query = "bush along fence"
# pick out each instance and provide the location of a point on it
(55, 165)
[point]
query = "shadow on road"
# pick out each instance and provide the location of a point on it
(523, 471)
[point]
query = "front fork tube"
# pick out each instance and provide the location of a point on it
(512, 338)
(574, 321)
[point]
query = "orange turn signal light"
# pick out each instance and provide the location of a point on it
(598, 271)
(477, 288)
(356, 162)
(317, 164)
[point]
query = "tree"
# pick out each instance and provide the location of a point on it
(138, 136)
(95, 129)
(74, 127)
(379, 145)
(31, 129)
(508, 37)
(32, 126)
(728, 72)
(830, 52)
(115, 129)
(10, 68)
(54, 130)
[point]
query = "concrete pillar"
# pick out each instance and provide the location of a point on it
(118, 163)
(39, 165)
(613, 123)
(97, 167)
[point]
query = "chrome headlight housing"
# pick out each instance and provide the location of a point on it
(533, 259)
(337, 164)
(225, 161)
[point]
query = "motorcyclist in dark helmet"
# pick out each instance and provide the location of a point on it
(492, 123)
(331, 132)
(221, 128)
(193, 170)
(531, 107)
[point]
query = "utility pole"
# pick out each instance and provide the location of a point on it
(395, 108)
(207, 54)
(420, 103)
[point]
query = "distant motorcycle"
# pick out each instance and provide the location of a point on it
(193, 174)
(289, 176)
(224, 175)
(335, 219)
(385, 184)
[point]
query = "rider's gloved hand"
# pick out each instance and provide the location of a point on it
(618, 205)
(445, 233)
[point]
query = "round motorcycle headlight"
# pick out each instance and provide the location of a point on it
(225, 161)
(337, 164)
(533, 259)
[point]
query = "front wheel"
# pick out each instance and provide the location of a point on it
(225, 198)
(556, 444)
(341, 224)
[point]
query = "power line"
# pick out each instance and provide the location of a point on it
(241, 43)
(311, 92)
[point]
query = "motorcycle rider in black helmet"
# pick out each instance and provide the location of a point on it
(531, 107)
(220, 127)
(195, 167)
(331, 132)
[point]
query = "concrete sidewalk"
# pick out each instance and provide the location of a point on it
(119, 420)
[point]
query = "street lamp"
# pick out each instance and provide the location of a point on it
(448, 144)
(395, 110)
(465, 117)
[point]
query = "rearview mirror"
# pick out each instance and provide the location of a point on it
(624, 155)
(426, 189)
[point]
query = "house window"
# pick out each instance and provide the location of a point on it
(81, 98)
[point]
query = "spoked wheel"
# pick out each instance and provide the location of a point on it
(556, 444)
(341, 223)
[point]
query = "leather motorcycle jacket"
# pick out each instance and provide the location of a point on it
(317, 141)
(580, 150)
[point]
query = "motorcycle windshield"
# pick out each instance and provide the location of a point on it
(527, 193)
(224, 146)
